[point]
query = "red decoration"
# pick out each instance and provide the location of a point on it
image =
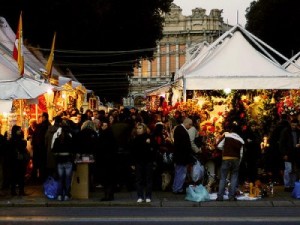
(42, 105)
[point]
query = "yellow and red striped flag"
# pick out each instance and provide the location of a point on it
(49, 64)
(18, 47)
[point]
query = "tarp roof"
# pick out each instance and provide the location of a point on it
(8, 69)
(33, 64)
(34, 61)
(158, 90)
(295, 66)
(234, 61)
(13, 86)
(23, 88)
(193, 60)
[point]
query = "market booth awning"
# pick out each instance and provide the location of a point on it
(23, 88)
(159, 90)
(13, 86)
(239, 60)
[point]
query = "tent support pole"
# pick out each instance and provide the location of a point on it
(184, 89)
(36, 112)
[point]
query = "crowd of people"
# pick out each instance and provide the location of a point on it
(135, 149)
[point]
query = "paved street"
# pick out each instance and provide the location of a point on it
(143, 215)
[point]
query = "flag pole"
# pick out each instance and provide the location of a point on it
(49, 64)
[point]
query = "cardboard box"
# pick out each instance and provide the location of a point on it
(80, 182)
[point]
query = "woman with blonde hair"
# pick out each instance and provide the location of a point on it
(88, 124)
(143, 155)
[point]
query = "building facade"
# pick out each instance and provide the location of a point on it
(181, 35)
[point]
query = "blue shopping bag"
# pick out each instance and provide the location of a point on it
(296, 191)
(51, 188)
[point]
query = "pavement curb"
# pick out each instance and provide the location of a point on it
(155, 203)
(36, 198)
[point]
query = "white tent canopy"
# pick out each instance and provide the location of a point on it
(193, 60)
(63, 80)
(23, 88)
(8, 70)
(158, 90)
(13, 86)
(234, 62)
(293, 68)
(196, 51)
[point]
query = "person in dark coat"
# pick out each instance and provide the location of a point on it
(183, 155)
(51, 165)
(105, 159)
(62, 146)
(86, 144)
(122, 130)
(143, 155)
(252, 154)
(19, 158)
(275, 162)
(39, 158)
(288, 144)
(6, 173)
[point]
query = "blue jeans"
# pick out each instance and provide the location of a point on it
(229, 167)
(289, 178)
(179, 178)
(65, 173)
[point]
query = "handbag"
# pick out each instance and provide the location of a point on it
(197, 193)
(51, 188)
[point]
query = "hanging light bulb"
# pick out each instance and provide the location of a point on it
(227, 91)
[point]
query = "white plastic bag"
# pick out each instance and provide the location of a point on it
(197, 172)
(197, 193)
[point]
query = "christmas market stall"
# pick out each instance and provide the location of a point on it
(237, 79)
(37, 90)
(15, 90)
(238, 63)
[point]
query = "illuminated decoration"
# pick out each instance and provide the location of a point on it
(227, 91)
(93, 103)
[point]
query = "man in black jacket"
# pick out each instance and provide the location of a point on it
(183, 154)
(39, 157)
